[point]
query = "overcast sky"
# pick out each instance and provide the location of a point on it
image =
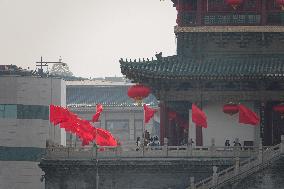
(90, 35)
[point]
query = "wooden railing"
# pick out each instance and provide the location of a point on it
(149, 152)
(240, 170)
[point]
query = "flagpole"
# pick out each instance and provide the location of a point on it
(189, 127)
(97, 175)
(143, 130)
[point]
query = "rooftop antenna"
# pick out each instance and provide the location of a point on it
(42, 64)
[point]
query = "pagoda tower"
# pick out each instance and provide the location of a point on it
(228, 51)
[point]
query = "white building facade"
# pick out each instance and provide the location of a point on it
(25, 127)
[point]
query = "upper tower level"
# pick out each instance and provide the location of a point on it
(228, 12)
(229, 27)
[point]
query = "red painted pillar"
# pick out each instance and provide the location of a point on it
(263, 12)
(199, 12)
(163, 121)
(199, 136)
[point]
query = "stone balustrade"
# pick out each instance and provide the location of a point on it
(241, 169)
(85, 153)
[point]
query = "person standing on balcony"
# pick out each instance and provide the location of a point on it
(138, 144)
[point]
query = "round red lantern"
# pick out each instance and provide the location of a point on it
(280, 3)
(138, 92)
(279, 108)
(230, 109)
(234, 3)
(172, 115)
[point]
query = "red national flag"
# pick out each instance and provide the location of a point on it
(148, 113)
(81, 128)
(246, 116)
(199, 117)
(58, 114)
(104, 138)
(96, 117)
(72, 123)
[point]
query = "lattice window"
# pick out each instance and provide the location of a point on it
(275, 18)
(186, 19)
(216, 5)
(251, 5)
(233, 19)
(272, 5)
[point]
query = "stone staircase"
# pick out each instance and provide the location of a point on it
(231, 176)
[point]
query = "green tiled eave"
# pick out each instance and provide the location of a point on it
(213, 68)
(107, 96)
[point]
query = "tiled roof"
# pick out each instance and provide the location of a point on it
(106, 95)
(213, 68)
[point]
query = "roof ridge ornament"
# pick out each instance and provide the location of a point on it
(159, 56)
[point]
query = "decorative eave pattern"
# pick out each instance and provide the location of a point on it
(211, 68)
(108, 96)
(216, 29)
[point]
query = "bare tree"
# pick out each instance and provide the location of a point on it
(61, 70)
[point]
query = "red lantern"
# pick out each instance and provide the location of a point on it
(279, 108)
(280, 3)
(234, 3)
(230, 109)
(138, 92)
(172, 115)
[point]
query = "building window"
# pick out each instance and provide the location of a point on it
(119, 129)
(19, 111)
(32, 112)
(8, 111)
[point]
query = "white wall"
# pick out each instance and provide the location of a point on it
(20, 175)
(117, 113)
(222, 126)
(28, 132)
(31, 91)
(23, 132)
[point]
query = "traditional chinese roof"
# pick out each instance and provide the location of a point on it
(241, 67)
(112, 96)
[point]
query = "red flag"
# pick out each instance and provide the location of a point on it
(81, 128)
(72, 123)
(246, 116)
(148, 113)
(104, 138)
(99, 110)
(199, 117)
(58, 114)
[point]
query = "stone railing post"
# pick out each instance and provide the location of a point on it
(212, 147)
(215, 176)
(237, 165)
(189, 150)
(192, 185)
(260, 153)
(282, 145)
(166, 146)
(189, 147)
